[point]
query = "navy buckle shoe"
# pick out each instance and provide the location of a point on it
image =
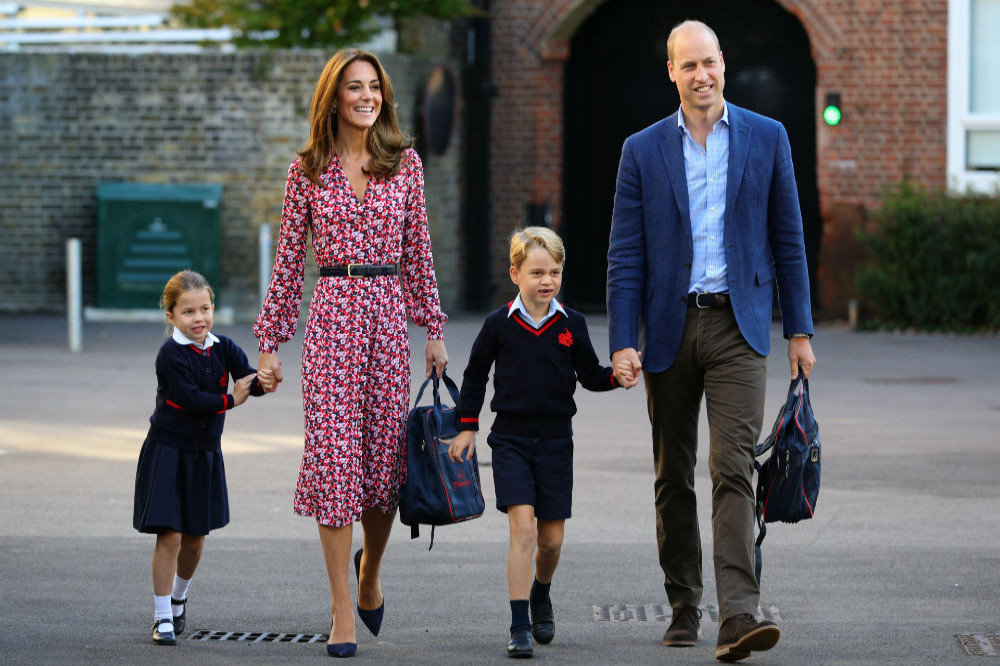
(179, 620)
(372, 619)
(164, 636)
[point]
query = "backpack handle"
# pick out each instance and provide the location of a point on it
(436, 392)
(452, 388)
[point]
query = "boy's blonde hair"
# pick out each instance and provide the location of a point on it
(524, 240)
(179, 284)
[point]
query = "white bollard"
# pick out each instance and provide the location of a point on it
(74, 294)
(264, 246)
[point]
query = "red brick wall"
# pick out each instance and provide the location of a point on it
(887, 59)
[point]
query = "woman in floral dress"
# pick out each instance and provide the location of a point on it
(358, 189)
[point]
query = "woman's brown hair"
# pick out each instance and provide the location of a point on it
(386, 141)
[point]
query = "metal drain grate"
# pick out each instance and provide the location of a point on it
(663, 613)
(256, 637)
(981, 645)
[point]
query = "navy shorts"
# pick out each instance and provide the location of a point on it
(535, 471)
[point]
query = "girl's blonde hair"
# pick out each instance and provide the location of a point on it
(386, 141)
(528, 238)
(179, 284)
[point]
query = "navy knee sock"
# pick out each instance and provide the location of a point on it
(540, 593)
(519, 620)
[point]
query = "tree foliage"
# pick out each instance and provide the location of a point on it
(308, 23)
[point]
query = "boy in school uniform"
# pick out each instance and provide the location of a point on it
(538, 349)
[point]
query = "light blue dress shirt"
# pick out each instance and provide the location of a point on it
(707, 172)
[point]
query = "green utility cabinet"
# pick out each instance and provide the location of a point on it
(148, 232)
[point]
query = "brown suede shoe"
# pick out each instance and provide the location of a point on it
(740, 635)
(684, 627)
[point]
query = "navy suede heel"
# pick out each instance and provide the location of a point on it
(372, 619)
(341, 649)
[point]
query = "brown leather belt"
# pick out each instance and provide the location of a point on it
(706, 301)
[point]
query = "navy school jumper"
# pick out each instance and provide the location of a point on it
(535, 373)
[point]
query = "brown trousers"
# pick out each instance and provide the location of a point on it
(715, 360)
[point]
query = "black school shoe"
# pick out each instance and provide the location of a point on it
(520, 646)
(543, 623)
(163, 637)
(179, 620)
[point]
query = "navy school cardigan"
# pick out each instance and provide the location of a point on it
(192, 392)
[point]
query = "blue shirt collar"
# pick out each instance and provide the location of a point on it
(517, 304)
(724, 119)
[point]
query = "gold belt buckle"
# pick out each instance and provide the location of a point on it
(350, 274)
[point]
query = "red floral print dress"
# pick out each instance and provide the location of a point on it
(355, 353)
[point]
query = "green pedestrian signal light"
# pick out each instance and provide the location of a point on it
(832, 113)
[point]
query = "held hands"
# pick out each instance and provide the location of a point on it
(267, 381)
(463, 444)
(627, 366)
(269, 371)
(241, 390)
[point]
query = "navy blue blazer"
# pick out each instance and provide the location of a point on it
(651, 250)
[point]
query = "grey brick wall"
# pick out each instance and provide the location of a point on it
(69, 121)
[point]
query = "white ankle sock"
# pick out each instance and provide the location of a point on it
(180, 593)
(163, 611)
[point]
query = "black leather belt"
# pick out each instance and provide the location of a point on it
(706, 301)
(359, 270)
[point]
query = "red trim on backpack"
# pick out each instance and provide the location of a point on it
(806, 440)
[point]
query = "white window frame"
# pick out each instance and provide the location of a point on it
(960, 119)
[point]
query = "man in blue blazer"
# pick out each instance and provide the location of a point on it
(706, 220)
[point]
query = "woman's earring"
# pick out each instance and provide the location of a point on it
(334, 110)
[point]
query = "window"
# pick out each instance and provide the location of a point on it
(973, 94)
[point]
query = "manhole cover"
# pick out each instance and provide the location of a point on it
(662, 613)
(981, 645)
(257, 637)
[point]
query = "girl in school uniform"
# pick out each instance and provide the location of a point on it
(180, 481)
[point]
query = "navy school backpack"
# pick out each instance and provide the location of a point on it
(438, 491)
(788, 481)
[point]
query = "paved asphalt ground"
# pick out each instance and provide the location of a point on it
(901, 558)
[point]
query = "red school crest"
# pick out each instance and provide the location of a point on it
(566, 338)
